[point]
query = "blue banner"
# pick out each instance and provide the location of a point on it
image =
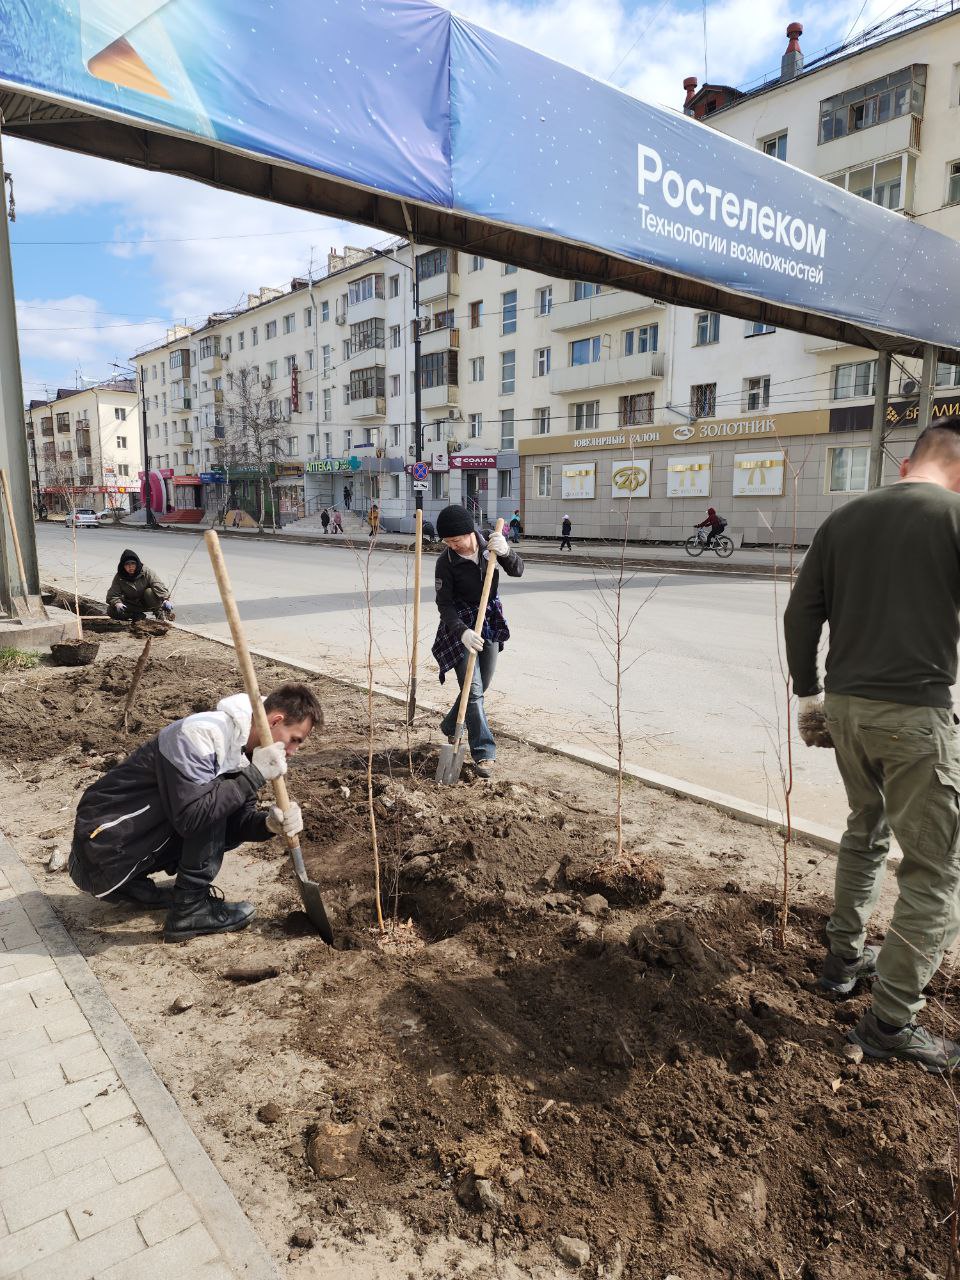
(401, 99)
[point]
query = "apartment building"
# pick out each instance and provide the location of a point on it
(564, 396)
(84, 447)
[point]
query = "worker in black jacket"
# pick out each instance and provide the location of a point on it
(180, 801)
(459, 584)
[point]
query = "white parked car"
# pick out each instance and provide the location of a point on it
(110, 515)
(83, 517)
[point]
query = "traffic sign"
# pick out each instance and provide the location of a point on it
(420, 471)
(420, 486)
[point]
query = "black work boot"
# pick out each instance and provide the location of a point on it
(199, 913)
(143, 893)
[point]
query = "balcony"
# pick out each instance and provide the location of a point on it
(47, 430)
(63, 424)
(607, 373)
(370, 407)
(210, 364)
(439, 340)
(84, 451)
(866, 145)
(604, 306)
(65, 455)
(366, 357)
(446, 396)
(180, 399)
(185, 469)
(85, 478)
(182, 438)
(368, 309)
(446, 284)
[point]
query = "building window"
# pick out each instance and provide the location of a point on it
(477, 263)
(119, 414)
(757, 327)
(585, 351)
(395, 435)
(585, 415)
(394, 289)
(775, 146)
(476, 425)
(293, 446)
(289, 323)
(541, 421)
(707, 328)
(636, 410)
(703, 400)
(582, 289)
(476, 369)
(439, 369)
(543, 480)
(123, 468)
(443, 319)
(851, 380)
(900, 93)
(440, 486)
(886, 183)
(508, 269)
(508, 372)
(289, 364)
(309, 402)
(121, 442)
(309, 356)
(545, 300)
(756, 394)
(508, 312)
(270, 331)
(847, 469)
(254, 336)
(308, 317)
(365, 335)
(326, 353)
(364, 289)
(507, 429)
(394, 336)
(394, 384)
(431, 264)
(948, 375)
(311, 444)
(637, 341)
(327, 405)
(505, 484)
(271, 368)
(241, 336)
(541, 362)
(324, 310)
(953, 182)
(366, 384)
(476, 314)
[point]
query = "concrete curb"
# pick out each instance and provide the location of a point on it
(229, 1226)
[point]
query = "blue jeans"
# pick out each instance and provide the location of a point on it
(482, 744)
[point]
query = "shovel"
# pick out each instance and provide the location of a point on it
(452, 754)
(309, 889)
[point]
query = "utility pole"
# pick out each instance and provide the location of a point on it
(151, 520)
(417, 492)
(881, 393)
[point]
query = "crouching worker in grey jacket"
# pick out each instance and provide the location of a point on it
(180, 801)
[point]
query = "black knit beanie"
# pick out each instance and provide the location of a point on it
(453, 521)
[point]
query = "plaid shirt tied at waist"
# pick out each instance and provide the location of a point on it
(448, 649)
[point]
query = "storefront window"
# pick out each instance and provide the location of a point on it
(847, 469)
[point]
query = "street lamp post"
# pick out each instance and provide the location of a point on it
(417, 492)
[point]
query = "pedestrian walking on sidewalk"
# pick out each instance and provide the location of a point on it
(565, 531)
(325, 520)
(516, 528)
(883, 572)
(180, 801)
(347, 496)
(373, 520)
(336, 522)
(459, 584)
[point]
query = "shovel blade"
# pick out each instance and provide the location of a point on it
(450, 764)
(316, 911)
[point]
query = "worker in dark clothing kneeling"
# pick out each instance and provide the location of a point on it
(136, 591)
(180, 801)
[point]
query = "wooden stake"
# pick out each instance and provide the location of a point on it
(137, 674)
(14, 534)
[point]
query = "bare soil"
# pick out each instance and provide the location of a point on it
(515, 1061)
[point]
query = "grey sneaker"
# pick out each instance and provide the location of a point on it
(911, 1044)
(840, 976)
(483, 768)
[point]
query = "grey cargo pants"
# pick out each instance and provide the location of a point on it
(901, 768)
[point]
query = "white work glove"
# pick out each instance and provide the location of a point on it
(120, 606)
(271, 761)
(812, 723)
(497, 543)
(472, 642)
(285, 824)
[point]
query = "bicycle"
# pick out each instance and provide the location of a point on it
(696, 544)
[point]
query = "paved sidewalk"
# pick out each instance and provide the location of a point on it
(100, 1176)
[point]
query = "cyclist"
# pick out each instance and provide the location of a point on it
(716, 524)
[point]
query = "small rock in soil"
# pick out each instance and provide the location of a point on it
(573, 1251)
(303, 1236)
(748, 1050)
(853, 1053)
(58, 858)
(332, 1150)
(270, 1113)
(595, 904)
(181, 1005)
(488, 1196)
(534, 1145)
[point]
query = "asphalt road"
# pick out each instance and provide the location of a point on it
(703, 695)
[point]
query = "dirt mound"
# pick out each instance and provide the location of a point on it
(645, 1076)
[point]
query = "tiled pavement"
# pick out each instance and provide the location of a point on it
(100, 1176)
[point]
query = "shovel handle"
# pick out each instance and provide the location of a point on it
(250, 683)
(481, 615)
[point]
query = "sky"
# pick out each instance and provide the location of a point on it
(106, 257)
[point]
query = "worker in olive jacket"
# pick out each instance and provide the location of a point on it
(136, 591)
